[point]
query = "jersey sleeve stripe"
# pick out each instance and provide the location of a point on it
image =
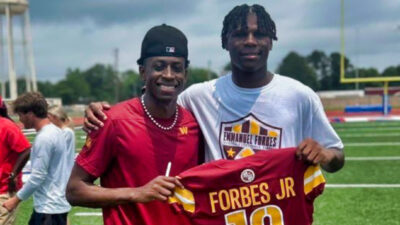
(184, 198)
(313, 177)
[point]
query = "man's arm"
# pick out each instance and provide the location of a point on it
(37, 177)
(40, 165)
(23, 157)
(81, 191)
(330, 159)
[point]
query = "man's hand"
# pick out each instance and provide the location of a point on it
(311, 151)
(94, 116)
(160, 188)
(11, 203)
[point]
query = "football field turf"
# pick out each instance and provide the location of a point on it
(366, 191)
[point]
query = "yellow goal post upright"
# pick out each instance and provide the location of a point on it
(344, 79)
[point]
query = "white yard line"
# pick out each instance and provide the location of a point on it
(88, 214)
(362, 185)
(367, 129)
(373, 158)
(33, 131)
(371, 135)
(373, 144)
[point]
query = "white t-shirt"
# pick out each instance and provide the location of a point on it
(50, 172)
(70, 140)
(238, 121)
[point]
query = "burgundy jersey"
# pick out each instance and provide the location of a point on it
(130, 150)
(270, 187)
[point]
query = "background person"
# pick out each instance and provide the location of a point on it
(50, 165)
(60, 118)
(14, 153)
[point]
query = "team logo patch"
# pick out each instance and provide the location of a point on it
(170, 49)
(88, 142)
(183, 130)
(247, 175)
(246, 136)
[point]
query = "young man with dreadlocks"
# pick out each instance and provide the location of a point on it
(253, 109)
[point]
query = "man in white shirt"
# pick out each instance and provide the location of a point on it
(50, 164)
(251, 108)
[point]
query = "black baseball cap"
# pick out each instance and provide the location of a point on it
(164, 40)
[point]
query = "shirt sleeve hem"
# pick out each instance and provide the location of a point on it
(87, 167)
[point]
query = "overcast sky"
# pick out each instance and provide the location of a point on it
(80, 33)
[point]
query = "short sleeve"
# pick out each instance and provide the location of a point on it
(97, 152)
(183, 99)
(16, 140)
(322, 130)
(69, 135)
(314, 182)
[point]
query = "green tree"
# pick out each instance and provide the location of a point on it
(296, 66)
(197, 75)
(369, 72)
(74, 88)
(47, 88)
(131, 84)
(320, 62)
(392, 71)
(332, 82)
(103, 82)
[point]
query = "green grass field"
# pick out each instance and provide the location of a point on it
(373, 158)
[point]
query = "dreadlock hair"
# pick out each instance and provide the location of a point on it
(237, 18)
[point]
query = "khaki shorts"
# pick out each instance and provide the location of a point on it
(6, 218)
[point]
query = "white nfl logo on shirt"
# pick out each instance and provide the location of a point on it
(247, 175)
(170, 49)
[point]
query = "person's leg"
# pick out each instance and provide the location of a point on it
(6, 217)
(58, 219)
(37, 218)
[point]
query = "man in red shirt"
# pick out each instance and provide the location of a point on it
(14, 153)
(139, 139)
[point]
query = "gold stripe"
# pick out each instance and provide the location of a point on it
(314, 183)
(273, 134)
(310, 171)
(246, 152)
(237, 128)
(254, 127)
(188, 197)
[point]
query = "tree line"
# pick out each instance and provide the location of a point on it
(322, 72)
(100, 82)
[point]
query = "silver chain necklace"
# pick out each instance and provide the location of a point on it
(154, 121)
